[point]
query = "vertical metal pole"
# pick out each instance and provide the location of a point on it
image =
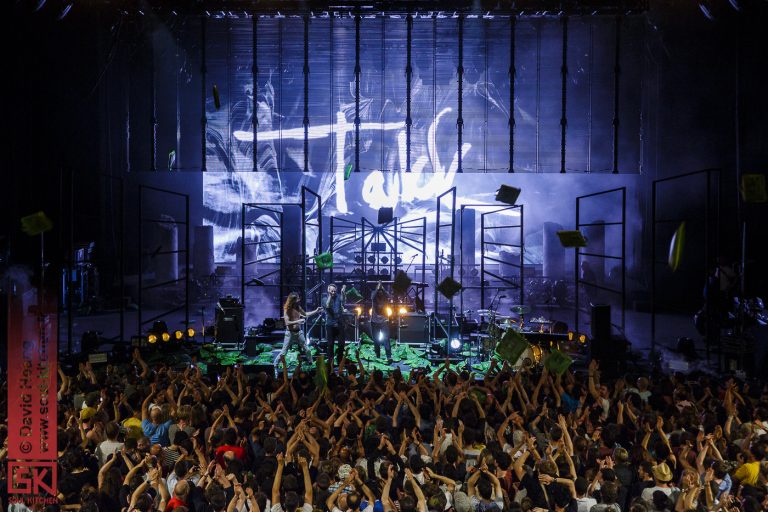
(357, 93)
(255, 90)
(141, 255)
(186, 264)
(563, 77)
(653, 267)
(461, 258)
(244, 252)
(304, 245)
(70, 265)
(576, 267)
(616, 75)
(408, 77)
(589, 80)
(460, 117)
(423, 255)
(538, 94)
(330, 248)
(306, 110)
(152, 104)
(281, 260)
(482, 261)
(121, 267)
(623, 256)
(512, 78)
(203, 117)
(437, 251)
(279, 96)
(485, 103)
(707, 254)
(522, 256)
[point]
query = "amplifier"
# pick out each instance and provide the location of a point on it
(414, 328)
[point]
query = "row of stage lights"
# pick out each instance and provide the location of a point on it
(166, 336)
(402, 310)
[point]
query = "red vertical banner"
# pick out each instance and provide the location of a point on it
(32, 353)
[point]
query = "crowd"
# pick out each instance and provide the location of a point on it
(141, 438)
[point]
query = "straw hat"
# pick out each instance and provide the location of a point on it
(662, 473)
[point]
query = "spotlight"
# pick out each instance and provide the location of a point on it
(384, 272)
(358, 258)
(178, 335)
(582, 339)
(358, 310)
(371, 259)
(398, 260)
(152, 338)
(570, 335)
(537, 352)
(370, 312)
(190, 333)
(384, 260)
(402, 310)
(389, 311)
(455, 344)
(166, 336)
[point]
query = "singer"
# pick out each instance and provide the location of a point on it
(380, 321)
(334, 323)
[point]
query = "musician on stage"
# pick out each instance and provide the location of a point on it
(380, 321)
(294, 316)
(334, 322)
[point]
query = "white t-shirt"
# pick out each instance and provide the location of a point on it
(307, 507)
(647, 494)
(585, 503)
(369, 508)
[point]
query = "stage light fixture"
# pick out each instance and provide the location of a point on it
(384, 272)
(455, 344)
(398, 260)
(371, 271)
(582, 339)
(371, 259)
(570, 335)
(152, 338)
(190, 333)
(402, 310)
(358, 258)
(389, 311)
(358, 310)
(166, 336)
(370, 312)
(178, 335)
(537, 352)
(384, 260)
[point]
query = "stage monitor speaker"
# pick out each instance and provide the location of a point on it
(385, 215)
(252, 343)
(414, 328)
(601, 322)
(229, 321)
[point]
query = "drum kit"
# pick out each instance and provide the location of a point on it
(493, 325)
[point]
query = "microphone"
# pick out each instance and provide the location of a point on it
(502, 296)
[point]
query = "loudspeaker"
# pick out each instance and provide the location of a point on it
(414, 328)
(601, 322)
(229, 321)
(385, 215)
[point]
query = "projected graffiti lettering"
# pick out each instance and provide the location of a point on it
(379, 188)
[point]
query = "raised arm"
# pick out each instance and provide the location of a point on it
(278, 479)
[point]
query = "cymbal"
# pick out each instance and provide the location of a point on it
(483, 312)
(520, 309)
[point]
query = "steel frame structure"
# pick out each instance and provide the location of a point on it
(485, 260)
(711, 238)
(622, 192)
(274, 238)
(439, 274)
(143, 189)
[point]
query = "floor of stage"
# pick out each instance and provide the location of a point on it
(669, 328)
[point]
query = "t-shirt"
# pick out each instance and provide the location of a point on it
(277, 507)
(585, 504)
(238, 451)
(747, 473)
(105, 449)
(647, 494)
(173, 503)
(157, 434)
(479, 505)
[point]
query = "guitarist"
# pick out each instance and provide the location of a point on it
(294, 317)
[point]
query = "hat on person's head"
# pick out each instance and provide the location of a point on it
(88, 413)
(662, 473)
(461, 502)
(344, 471)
